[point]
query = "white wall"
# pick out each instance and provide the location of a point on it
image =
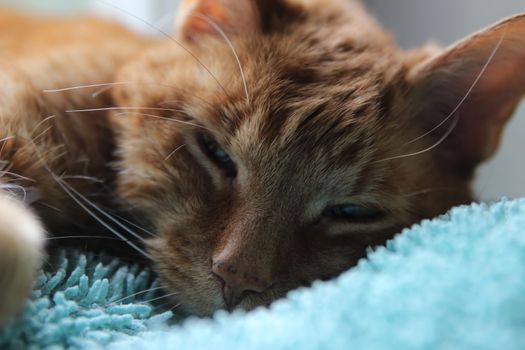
(143, 15)
(48, 6)
(134, 13)
(415, 21)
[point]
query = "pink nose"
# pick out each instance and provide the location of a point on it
(240, 277)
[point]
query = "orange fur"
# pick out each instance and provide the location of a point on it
(315, 106)
(38, 138)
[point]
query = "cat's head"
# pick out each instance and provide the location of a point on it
(271, 142)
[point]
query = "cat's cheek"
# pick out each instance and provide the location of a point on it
(185, 272)
(21, 254)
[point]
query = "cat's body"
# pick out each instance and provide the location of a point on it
(40, 139)
(259, 166)
(37, 130)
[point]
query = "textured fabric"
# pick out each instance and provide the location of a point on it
(87, 301)
(456, 282)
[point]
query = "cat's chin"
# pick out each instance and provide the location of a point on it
(210, 306)
(204, 309)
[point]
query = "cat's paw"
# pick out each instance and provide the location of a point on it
(21, 254)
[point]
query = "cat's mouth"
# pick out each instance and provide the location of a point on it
(211, 297)
(245, 299)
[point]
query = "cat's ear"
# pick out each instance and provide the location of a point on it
(474, 86)
(197, 18)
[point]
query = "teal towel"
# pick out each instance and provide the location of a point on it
(455, 282)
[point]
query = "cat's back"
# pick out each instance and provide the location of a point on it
(60, 51)
(24, 35)
(39, 55)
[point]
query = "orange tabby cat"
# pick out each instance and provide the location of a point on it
(266, 145)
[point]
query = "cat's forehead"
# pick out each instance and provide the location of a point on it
(332, 100)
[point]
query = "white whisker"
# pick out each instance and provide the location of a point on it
(451, 114)
(440, 141)
(87, 178)
(121, 109)
(64, 186)
(172, 102)
(135, 294)
(169, 37)
(91, 204)
(45, 120)
(10, 188)
(101, 91)
(175, 151)
(4, 142)
(42, 133)
(221, 32)
(161, 297)
(7, 138)
(86, 236)
(107, 86)
(47, 205)
(467, 95)
(175, 306)
(428, 190)
(80, 87)
(163, 118)
(134, 225)
(19, 177)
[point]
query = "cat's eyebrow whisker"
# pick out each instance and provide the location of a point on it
(468, 93)
(426, 190)
(107, 86)
(7, 138)
(436, 144)
(121, 109)
(4, 164)
(171, 102)
(82, 177)
(171, 38)
(80, 87)
(40, 123)
(58, 155)
(175, 151)
(164, 118)
(42, 133)
(101, 91)
(221, 32)
(130, 110)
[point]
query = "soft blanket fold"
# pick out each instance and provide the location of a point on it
(456, 282)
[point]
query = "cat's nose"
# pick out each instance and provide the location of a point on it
(239, 278)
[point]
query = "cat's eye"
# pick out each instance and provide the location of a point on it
(218, 155)
(352, 212)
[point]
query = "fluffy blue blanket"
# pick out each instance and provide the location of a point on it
(456, 282)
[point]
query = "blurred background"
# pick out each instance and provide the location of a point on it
(415, 22)
(412, 22)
